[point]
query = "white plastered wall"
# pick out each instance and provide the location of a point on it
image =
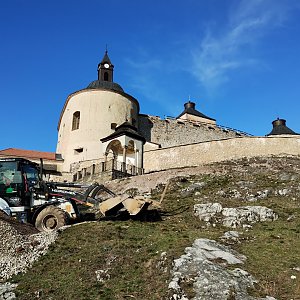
(134, 158)
(214, 151)
(98, 110)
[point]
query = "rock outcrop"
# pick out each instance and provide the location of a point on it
(204, 265)
(235, 216)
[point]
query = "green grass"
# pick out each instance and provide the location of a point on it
(131, 249)
(272, 249)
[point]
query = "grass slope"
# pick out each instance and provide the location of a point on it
(131, 252)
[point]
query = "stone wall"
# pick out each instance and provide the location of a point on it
(171, 132)
(214, 151)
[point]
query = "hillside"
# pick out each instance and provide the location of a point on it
(224, 231)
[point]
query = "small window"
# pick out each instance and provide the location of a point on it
(76, 120)
(78, 150)
(113, 125)
(105, 76)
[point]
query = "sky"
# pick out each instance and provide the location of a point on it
(238, 60)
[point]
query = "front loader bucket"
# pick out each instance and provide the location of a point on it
(135, 205)
(113, 203)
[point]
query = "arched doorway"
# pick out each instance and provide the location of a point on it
(127, 148)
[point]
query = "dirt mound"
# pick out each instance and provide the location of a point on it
(20, 246)
(21, 228)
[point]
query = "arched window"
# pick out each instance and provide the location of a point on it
(76, 120)
(105, 76)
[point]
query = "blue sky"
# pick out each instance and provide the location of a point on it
(238, 60)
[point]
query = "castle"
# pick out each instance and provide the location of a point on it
(100, 130)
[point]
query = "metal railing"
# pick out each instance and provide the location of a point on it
(118, 170)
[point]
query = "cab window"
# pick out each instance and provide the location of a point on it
(7, 172)
(32, 175)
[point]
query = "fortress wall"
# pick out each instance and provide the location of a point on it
(171, 132)
(214, 151)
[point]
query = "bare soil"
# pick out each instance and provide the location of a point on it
(21, 228)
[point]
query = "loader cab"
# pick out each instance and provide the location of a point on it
(17, 178)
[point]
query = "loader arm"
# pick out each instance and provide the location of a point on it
(89, 195)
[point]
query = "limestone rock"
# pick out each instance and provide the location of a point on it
(102, 275)
(231, 237)
(205, 264)
(206, 211)
(193, 188)
(235, 216)
(6, 291)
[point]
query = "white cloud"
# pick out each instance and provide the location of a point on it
(221, 53)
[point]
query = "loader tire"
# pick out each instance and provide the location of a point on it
(50, 218)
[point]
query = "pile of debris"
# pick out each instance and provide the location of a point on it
(20, 246)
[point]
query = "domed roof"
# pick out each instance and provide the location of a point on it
(125, 129)
(279, 127)
(107, 85)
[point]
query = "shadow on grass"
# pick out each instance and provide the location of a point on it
(152, 215)
(175, 212)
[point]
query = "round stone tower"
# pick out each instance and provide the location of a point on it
(91, 114)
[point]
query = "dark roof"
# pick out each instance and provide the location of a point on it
(189, 108)
(279, 127)
(99, 84)
(105, 59)
(125, 129)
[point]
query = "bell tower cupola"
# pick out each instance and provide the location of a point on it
(105, 69)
